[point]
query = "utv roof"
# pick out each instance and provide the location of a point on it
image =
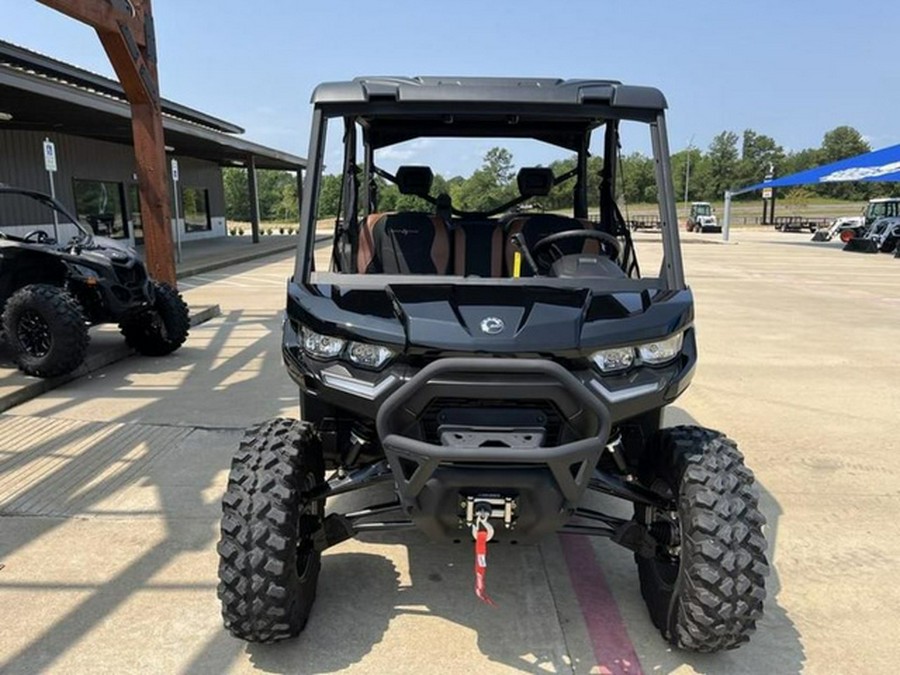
(489, 90)
(559, 112)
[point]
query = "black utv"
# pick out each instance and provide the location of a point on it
(490, 366)
(52, 291)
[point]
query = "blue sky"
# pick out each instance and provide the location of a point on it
(792, 70)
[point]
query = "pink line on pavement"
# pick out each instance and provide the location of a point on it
(612, 647)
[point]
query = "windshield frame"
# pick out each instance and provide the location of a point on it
(51, 203)
(671, 274)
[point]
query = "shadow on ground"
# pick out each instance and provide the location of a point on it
(361, 593)
(184, 479)
(775, 647)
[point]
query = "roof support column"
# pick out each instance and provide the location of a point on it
(726, 226)
(254, 198)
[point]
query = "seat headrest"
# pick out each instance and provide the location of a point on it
(414, 180)
(535, 181)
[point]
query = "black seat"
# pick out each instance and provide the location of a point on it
(408, 242)
(478, 248)
(403, 243)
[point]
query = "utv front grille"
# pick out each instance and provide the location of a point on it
(531, 413)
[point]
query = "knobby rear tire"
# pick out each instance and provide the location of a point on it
(65, 324)
(160, 329)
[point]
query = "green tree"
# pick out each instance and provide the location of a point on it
(695, 174)
(722, 161)
(288, 207)
(637, 174)
(758, 153)
(594, 174)
(498, 162)
(489, 186)
(560, 196)
(796, 199)
(329, 196)
(800, 160)
(237, 193)
(270, 185)
(840, 143)
(275, 190)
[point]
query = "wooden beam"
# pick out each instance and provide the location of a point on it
(104, 14)
(153, 179)
(125, 29)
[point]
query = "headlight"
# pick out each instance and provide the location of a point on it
(321, 346)
(88, 275)
(612, 360)
(369, 356)
(662, 351)
(650, 353)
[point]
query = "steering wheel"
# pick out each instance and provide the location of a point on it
(38, 236)
(540, 250)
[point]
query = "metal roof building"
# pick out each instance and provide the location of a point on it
(88, 118)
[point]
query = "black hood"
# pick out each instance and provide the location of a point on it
(119, 251)
(491, 318)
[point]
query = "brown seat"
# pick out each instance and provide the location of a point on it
(536, 227)
(403, 243)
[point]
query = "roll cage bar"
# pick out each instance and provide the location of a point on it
(87, 235)
(611, 218)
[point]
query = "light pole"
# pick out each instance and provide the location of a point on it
(687, 171)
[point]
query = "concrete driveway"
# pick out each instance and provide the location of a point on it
(110, 488)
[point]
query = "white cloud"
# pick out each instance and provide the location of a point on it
(395, 155)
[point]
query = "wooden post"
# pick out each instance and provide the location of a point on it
(125, 29)
(149, 152)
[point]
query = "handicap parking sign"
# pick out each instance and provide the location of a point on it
(49, 155)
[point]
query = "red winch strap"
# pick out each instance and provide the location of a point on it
(481, 567)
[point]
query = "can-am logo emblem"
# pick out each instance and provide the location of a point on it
(492, 325)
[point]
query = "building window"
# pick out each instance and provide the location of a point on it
(195, 207)
(99, 204)
(134, 209)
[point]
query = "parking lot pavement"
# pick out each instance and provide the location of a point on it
(110, 488)
(106, 346)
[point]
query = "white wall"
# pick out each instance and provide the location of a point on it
(218, 230)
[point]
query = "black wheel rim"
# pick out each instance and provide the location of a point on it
(158, 325)
(308, 524)
(667, 562)
(33, 334)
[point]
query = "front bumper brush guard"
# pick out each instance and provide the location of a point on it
(415, 461)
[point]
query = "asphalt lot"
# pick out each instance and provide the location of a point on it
(110, 488)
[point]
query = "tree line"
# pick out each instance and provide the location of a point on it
(731, 161)
(277, 191)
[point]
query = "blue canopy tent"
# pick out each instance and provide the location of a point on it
(872, 167)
